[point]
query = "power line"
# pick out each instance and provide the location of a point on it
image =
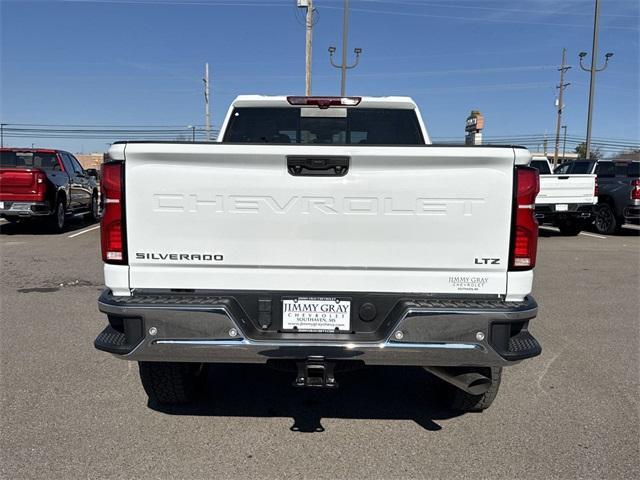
(475, 19)
(97, 125)
(105, 133)
(29, 130)
(608, 147)
(458, 5)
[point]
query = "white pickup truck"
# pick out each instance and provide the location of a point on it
(565, 201)
(321, 234)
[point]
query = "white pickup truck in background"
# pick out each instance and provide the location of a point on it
(319, 233)
(565, 201)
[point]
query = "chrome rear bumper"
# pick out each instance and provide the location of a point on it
(25, 209)
(427, 332)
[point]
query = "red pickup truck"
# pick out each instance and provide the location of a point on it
(45, 184)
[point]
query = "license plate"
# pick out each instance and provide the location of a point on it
(316, 314)
(562, 207)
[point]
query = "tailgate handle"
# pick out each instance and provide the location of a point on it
(318, 166)
(563, 178)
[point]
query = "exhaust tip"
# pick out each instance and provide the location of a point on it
(470, 382)
(479, 386)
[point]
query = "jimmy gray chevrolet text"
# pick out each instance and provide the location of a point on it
(319, 234)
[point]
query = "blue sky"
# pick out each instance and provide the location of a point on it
(140, 62)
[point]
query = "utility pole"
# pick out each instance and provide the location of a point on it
(193, 132)
(207, 113)
(564, 142)
(344, 66)
(544, 144)
(2, 135)
(308, 47)
(563, 68)
(593, 70)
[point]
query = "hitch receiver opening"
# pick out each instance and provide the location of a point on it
(315, 372)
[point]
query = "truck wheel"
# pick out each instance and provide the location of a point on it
(606, 221)
(94, 213)
(465, 402)
(58, 218)
(569, 228)
(171, 382)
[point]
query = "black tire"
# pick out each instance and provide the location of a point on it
(605, 220)
(465, 402)
(94, 212)
(172, 383)
(59, 217)
(570, 228)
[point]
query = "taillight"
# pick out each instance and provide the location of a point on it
(596, 191)
(325, 102)
(112, 227)
(635, 191)
(524, 236)
(41, 185)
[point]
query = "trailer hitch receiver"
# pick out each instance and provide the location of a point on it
(315, 372)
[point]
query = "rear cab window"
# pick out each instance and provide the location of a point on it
(582, 167)
(333, 126)
(47, 161)
(606, 169)
(541, 166)
(633, 169)
(621, 169)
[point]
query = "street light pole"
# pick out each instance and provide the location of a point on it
(193, 132)
(344, 66)
(592, 79)
(345, 39)
(593, 70)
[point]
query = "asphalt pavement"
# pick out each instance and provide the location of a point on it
(69, 411)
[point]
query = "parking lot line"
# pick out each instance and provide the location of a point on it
(587, 234)
(85, 231)
(631, 226)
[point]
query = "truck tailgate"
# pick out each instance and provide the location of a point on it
(19, 185)
(566, 189)
(403, 219)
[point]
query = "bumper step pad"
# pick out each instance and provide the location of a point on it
(523, 345)
(112, 341)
